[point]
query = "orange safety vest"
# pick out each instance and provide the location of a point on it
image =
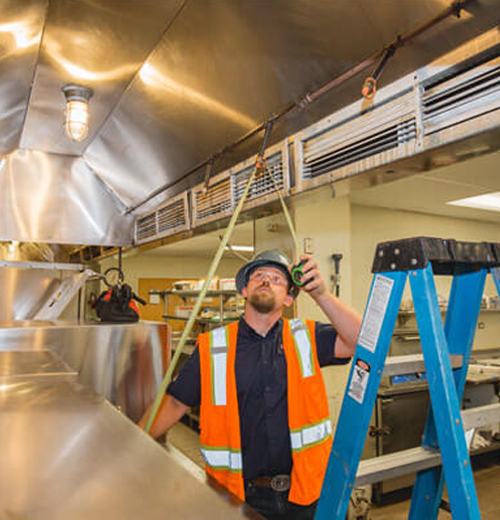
(308, 414)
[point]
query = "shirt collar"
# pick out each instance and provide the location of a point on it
(249, 332)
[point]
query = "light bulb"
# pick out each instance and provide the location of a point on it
(77, 111)
(77, 120)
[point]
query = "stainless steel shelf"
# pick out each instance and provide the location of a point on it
(206, 321)
(193, 294)
(404, 316)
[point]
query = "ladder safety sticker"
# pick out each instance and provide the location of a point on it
(375, 312)
(359, 381)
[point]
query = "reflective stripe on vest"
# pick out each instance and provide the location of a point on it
(223, 458)
(308, 436)
(218, 356)
(302, 341)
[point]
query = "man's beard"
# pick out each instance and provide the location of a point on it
(262, 302)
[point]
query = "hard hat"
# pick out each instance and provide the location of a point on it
(273, 258)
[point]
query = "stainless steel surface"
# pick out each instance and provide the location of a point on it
(62, 295)
(94, 43)
(36, 362)
(174, 82)
(26, 287)
(396, 465)
(68, 454)
(123, 363)
(225, 66)
(401, 410)
(411, 364)
(33, 252)
(481, 416)
(57, 199)
(21, 25)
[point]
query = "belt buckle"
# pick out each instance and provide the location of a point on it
(280, 483)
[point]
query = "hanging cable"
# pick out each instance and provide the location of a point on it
(208, 173)
(286, 213)
(370, 84)
(235, 253)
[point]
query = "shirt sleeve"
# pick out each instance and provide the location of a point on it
(186, 386)
(326, 336)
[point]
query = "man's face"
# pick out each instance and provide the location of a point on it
(267, 290)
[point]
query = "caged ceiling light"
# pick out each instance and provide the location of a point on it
(77, 111)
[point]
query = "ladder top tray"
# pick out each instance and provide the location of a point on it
(447, 256)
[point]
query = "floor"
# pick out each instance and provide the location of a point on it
(487, 478)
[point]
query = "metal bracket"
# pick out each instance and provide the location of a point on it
(58, 301)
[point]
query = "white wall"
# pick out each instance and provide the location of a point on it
(327, 221)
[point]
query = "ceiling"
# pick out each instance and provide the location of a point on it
(432, 190)
(177, 80)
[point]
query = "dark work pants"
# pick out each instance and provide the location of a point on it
(274, 505)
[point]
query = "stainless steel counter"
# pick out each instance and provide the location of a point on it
(67, 453)
(121, 362)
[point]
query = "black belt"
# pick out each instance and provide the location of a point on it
(276, 483)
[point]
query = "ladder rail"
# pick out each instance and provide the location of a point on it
(446, 353)
(355, 414)
(444, 399)
(461, 320)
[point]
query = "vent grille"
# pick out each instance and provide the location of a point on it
(227, 188)
(357, 139)
(317, 161)
(145, 227)
(265, 182)
(215, 203)
(462, 92)
(170, 218)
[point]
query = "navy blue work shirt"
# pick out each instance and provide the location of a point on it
(261, 383)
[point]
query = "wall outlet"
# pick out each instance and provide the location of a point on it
(308, 246)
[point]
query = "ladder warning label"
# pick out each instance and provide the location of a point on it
(375, 312)
(359, 381)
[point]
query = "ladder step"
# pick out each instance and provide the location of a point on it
(415, 459)
(481, 416)
(396, 465)
(399, 365)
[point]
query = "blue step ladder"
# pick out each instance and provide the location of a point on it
(446, 353)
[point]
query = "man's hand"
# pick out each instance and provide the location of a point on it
(344, 318)
(313, 281)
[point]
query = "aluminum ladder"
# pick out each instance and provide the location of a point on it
(446, 354)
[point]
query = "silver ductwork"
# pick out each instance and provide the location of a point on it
(448, 110)
(175, 82)
(58, 199)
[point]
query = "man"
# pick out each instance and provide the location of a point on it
(265, 426)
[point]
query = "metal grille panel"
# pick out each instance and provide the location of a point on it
(171, 217)
(390, 137)
(145, 227)
(267, 182)
(462, 91)
(358, 138)
(214, 203)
